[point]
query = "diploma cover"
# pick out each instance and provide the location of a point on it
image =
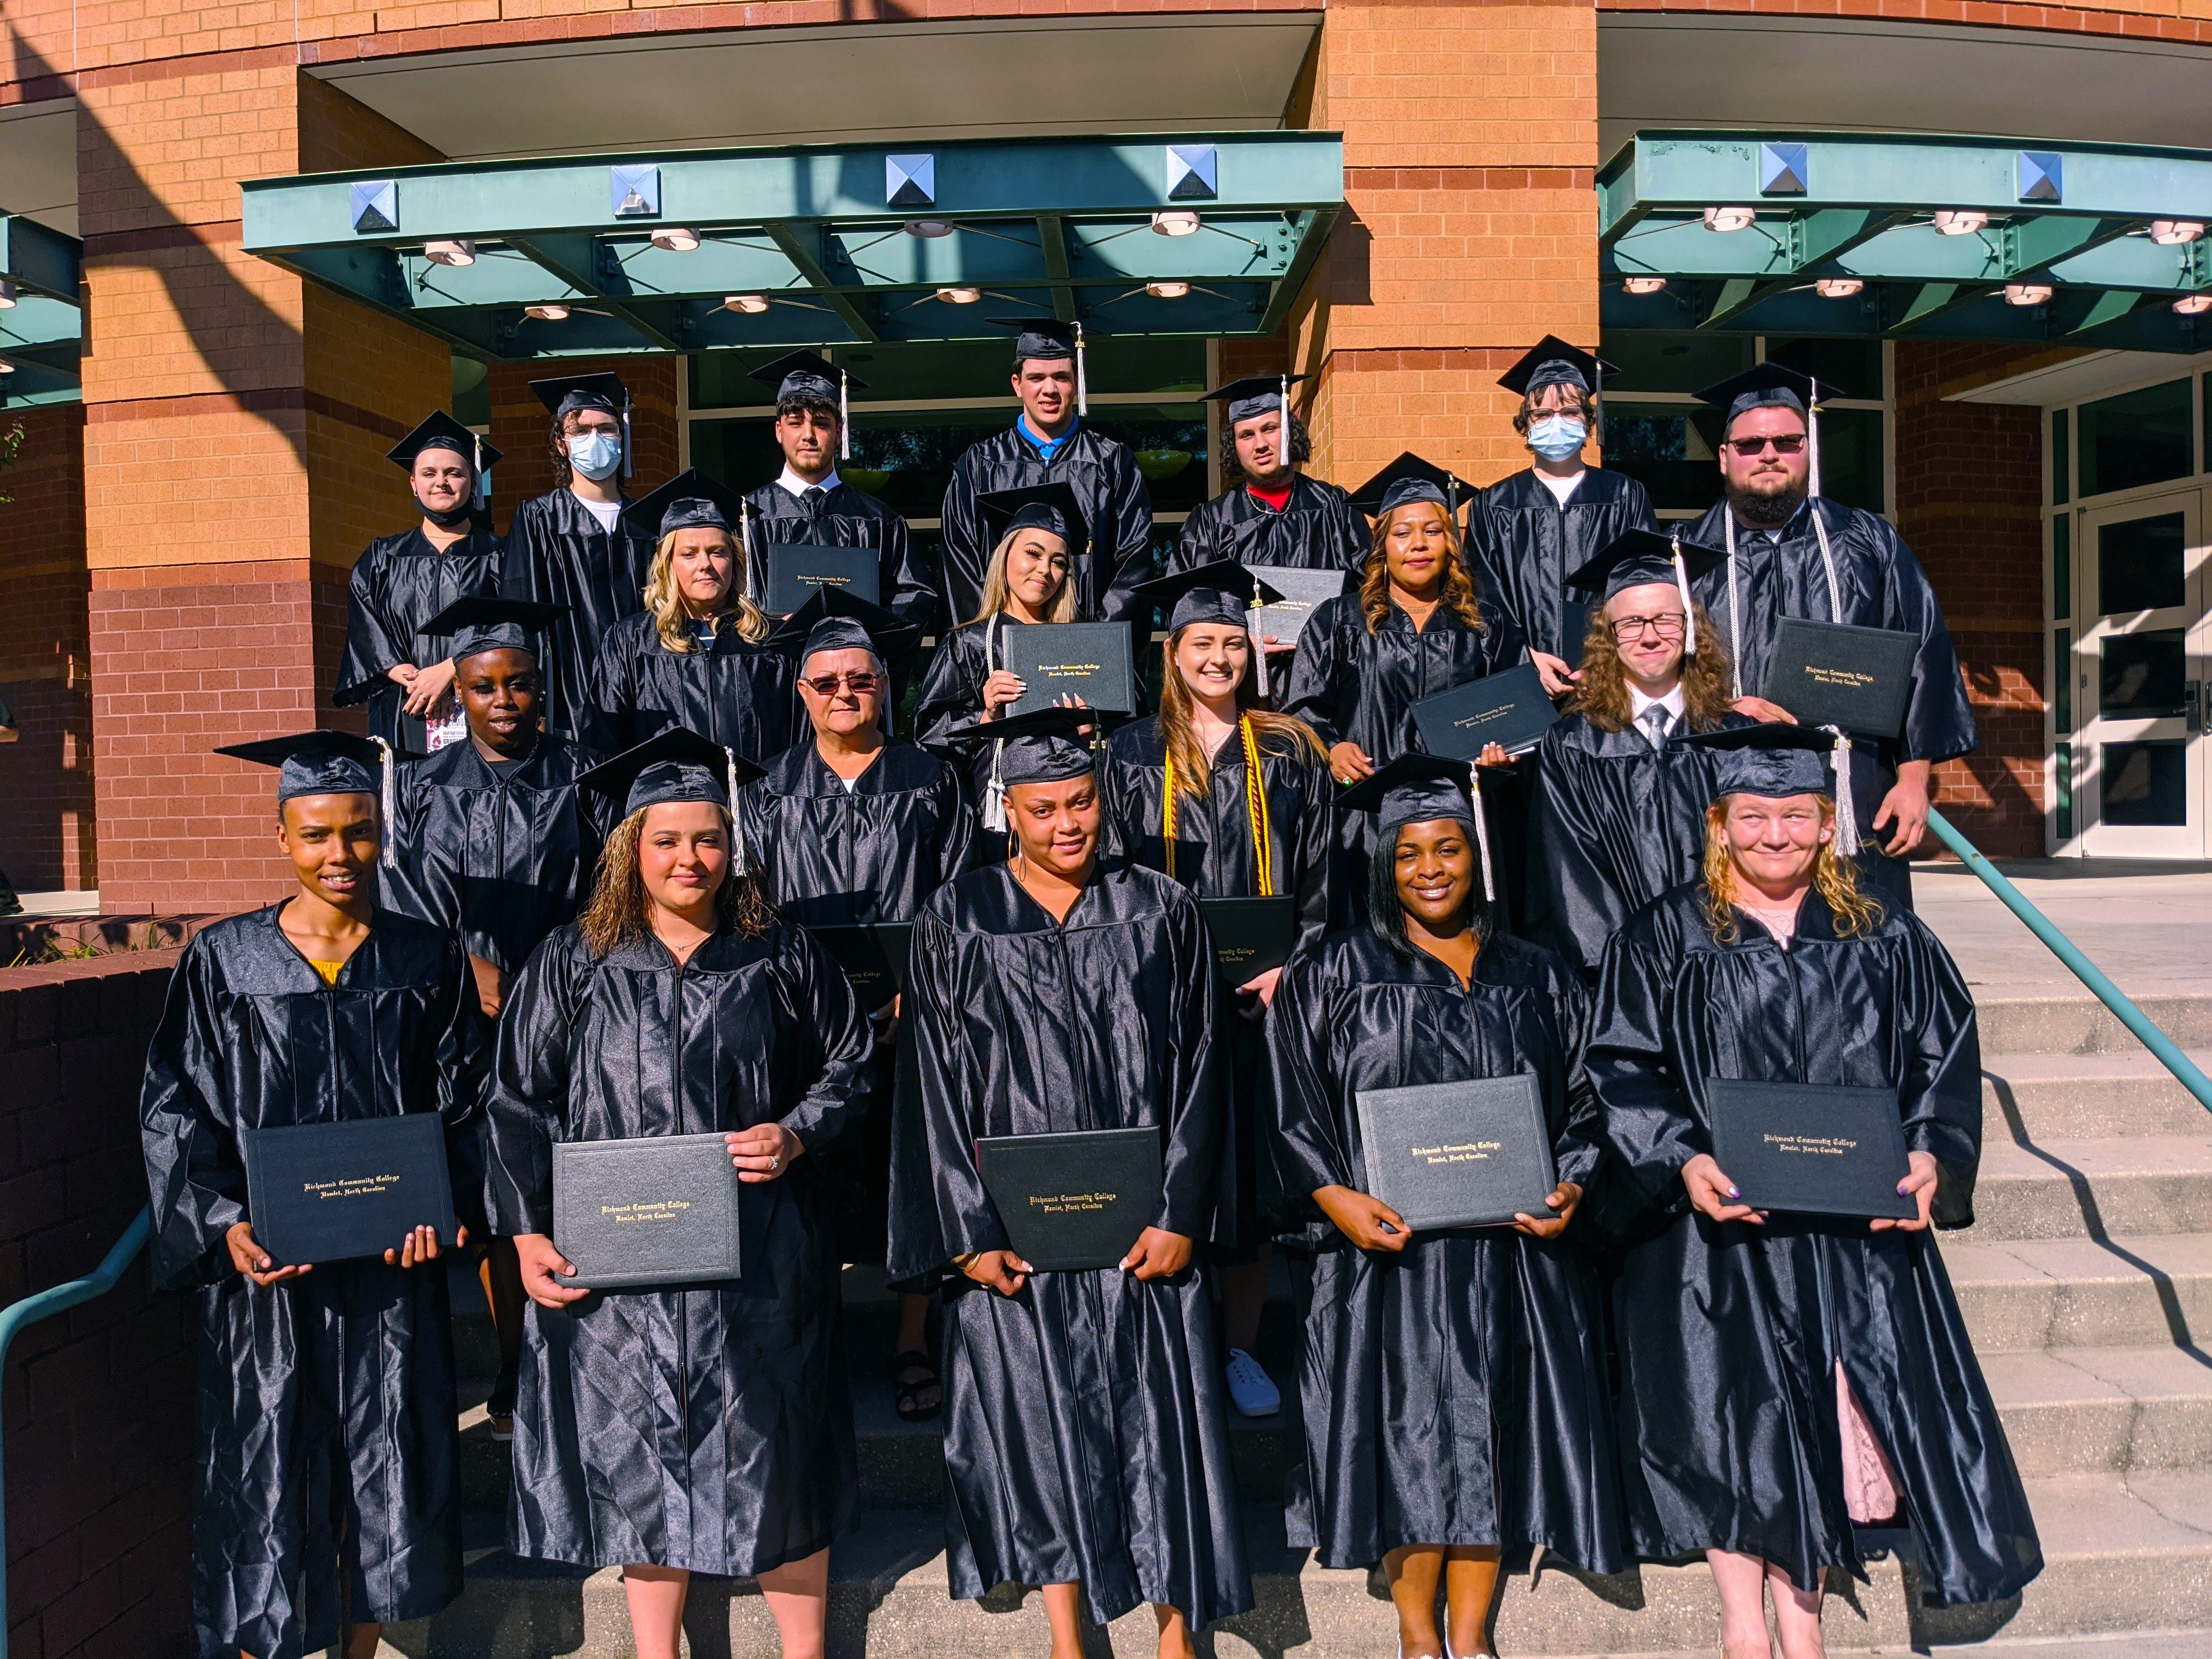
(1075, 1202)
(1812, 1148)
(1509, 708)
(1302, 589)
(654, 1210)
(333, 1192)
(1471, 1154)
(1089, 659)
(1251, 935)
(799, 570)
(872, 955)
(1831, 674)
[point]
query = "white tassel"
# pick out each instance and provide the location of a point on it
(746, 547)
(1689, 607)
(1735, 606)
(994, 792)
(737, 821)
(483, 482)
(1257, 628)
(844, 415)
(626, 466)
(1847, 814)
(1813, 442)
(1284, 437)
(387, 802)
(1482, 837)
(1082, 390)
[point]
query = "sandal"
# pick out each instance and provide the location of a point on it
(907, 1387)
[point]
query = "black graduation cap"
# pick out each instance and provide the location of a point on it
(1041, 507)
(1552, 362)
(808, 374)
(482, 622)
(1384, 490)
(700, 499)
(1256, 394)
(1050, 340)
(678, 764)
(320, 762)
(1219, 591)
(880, 629)
(566, 393)
(1415, 789)
(1776, 761)
(441, 431)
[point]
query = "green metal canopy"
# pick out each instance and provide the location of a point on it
(1740, 231)
(1189, 234)
(41, 333)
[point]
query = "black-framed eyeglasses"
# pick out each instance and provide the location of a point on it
(1667, 625)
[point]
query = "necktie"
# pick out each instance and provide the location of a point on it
(816, 502)
(1655, 721)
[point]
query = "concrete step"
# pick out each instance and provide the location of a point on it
(2079, 1411)
(2147, 1291)
(2087, 1096)
(2075, 1023)
(2094, 1188)
(2124, 1554)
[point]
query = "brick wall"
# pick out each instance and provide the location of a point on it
(1969, 500)
(45, 777)
(98, 1401)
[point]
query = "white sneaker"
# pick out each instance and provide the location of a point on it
(1251, 1390)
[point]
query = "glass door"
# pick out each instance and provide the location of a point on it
(2140, 668)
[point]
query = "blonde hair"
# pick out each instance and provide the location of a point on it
(1281, 735)
(1833, 878)
(1062, 609)
(620, 911)
(1600, 696)
(666, 604)
(1460, 592)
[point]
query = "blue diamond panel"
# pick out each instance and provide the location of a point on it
(635, 191)
(909, 181)
(376, 206)
(1782, 170)
(1193, 172)
(2041, 176)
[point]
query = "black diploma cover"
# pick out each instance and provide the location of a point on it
(1251, 935)
(652, 1210)
(333, 1192)
(1814, 1149)
(1509, 708)
(1090, 660)
(873, 956)
(1832, 674)
(1471, 1154)
(1302, 589)
(799, 570)
(1075, 1202)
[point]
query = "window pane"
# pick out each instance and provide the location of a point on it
(2136, 438)
(2139, 565)
(2062, 568)
(2146, 783)
(1672, 363)
(2142, 676)
(1851, 457)
(2062, 458)
(1849, 368)
(2061, 681)
(1656, 445)
(2062, 767)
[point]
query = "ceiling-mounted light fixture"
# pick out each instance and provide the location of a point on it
(675, 239)
(6, 368)
(7, 295)
(928, 229)
(1726, 219)
(1839, 287)
(550, 314)
(1165, 290)
(1643, 285)
(2192, 305)
(458, 252)
(1175, 222)
(960, 296)
(748, 305)
(2174, 233)
(1961, 222)
(2027, 293)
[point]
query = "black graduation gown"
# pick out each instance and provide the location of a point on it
(742, 696)
(1318, 529)
(1083, 1434)
(1613, 824)
(1524, 543)
(1883, 585)
(397, 585)
(557, 554)
(1729, 1336)
(327, 1405)
(1103, 474)
(708, 1427)
(1454, 1393)
(850, 518)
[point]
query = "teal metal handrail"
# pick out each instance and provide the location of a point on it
(2168, 1055)
(16, 1315)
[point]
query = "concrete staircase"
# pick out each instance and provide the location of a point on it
(2087, 1282)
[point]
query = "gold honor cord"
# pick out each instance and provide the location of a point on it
(1256, 808)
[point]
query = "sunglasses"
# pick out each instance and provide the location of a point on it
(828, 685)
(1788, 444)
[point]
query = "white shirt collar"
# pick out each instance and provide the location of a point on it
(1672, 702)
(798, 486)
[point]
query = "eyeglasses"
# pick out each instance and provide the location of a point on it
(1667, 625)
(828, 685)
(1787, 443)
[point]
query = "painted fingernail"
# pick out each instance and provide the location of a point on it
(1734, 1192)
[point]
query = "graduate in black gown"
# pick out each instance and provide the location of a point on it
(403, 580)
(706, 1428)
(697, 657)
(1049, 444)
(1526, 532)
(1084, 1447)
(1274, 514)
(853, 826)
(568, 546)
(1786, 1378)
(1179, 793)
(1792, 552)
(1617, 810)
(327, 1487)
(1454, 1382)
(808, 503)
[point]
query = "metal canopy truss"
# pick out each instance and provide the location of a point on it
(41, 335)
(2075, 219)
(1054, 228)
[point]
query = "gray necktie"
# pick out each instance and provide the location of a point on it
(1655, 721)
(816, 500)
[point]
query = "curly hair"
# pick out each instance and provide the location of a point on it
(1461, 594)
(1600, 696)
(1575, 400)
(665, 602)
(1833, 878)
(1278, 734)
(620, 911)
(1301, 447)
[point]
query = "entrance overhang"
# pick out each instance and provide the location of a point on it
(578, 256)
(41, 334)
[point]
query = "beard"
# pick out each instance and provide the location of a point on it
(1763, 512)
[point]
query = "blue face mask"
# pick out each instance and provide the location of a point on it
(1556, 437)
(594, 454)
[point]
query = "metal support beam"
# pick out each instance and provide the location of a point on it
(793, 243)
(1052, 243)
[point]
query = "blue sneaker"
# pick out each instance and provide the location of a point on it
(1251, 1390)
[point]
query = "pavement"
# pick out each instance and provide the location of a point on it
(2148, 925)
(56, 907)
